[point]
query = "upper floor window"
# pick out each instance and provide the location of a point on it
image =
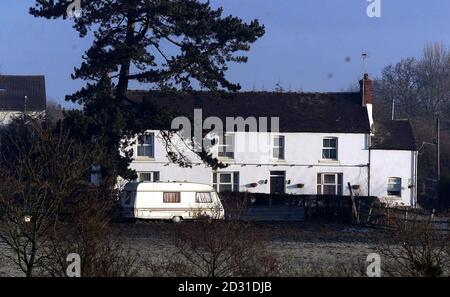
(226, 146)
(394, 187)
(278, 147)
(152, 176)
(329, 183)
(146, 145)
(329, 149)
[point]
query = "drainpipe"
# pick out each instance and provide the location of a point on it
(416, 177)
(368, 173)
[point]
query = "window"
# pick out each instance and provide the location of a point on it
(148, 176)
(394, 187)
(226, 182)
(146, 144)
(278, 147)
(174, 197)
(204, 197)
(226, 146)
(329, 183)
(329, 151)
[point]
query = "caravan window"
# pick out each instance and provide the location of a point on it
(203, 197)
(169, 197)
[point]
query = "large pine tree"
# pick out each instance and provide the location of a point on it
(165, 44)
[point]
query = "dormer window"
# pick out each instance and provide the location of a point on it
(329, 149)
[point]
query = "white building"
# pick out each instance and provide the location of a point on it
(19, 94)
(324, 142)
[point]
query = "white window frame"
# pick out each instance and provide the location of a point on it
(330, 148)
(234, 181)
(222, 151)
(395, 182)
(338, 187)
(282, 147)
(153, 174)
(151, 145)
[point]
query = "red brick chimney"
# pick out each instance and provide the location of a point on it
(366, 90)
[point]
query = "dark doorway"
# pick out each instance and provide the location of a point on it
(277, 182)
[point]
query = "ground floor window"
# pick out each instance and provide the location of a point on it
(329, 183)
(226, 181)
(394, 187)
(151, 176)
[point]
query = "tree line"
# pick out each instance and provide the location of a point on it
(418, 89)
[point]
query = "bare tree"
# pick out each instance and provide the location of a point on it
(39, 170)
(418, 86)
(87, 232)
(217, 248)
(415, 249)
(434, 77)
(50, 209)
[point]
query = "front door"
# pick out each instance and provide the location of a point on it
(277, 182)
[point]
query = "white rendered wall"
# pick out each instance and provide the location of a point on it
(394, 163)
(303, 160)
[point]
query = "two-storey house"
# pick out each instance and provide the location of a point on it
(324, 141)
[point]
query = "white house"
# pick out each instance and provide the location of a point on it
(324, 141)
(19, 94)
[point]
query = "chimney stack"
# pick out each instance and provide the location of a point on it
(366, 90)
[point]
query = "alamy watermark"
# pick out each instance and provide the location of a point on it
(74, 9)
(216, 131)
(374, 267)
(374, 9)
(74, 267)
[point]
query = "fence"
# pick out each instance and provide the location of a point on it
(389, 217)
(362, 210)
(298, 207)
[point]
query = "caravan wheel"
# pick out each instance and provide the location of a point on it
(177, 219)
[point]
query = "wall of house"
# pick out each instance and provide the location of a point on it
(253, 160)
(394, 163)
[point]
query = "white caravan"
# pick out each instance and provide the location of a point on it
(170, 201)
